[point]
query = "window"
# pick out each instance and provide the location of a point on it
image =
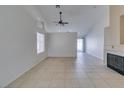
(40, 43)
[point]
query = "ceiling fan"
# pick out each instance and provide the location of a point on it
(61, 22)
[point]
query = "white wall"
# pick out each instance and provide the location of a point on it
(17, 43)
(95, 41)
(95, 38)
(62, 44)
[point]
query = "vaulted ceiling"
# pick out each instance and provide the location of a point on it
(81, 18)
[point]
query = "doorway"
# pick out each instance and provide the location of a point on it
(80, 45)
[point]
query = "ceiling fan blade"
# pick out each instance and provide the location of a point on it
(55, 22)
(65, 23)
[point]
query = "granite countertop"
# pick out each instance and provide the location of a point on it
(116, 52)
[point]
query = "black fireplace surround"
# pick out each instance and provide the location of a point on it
(115, 62)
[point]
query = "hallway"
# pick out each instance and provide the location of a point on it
(84, 72)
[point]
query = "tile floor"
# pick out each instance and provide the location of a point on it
(84, 71)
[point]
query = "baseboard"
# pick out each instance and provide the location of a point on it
(95, 56)
(62, 56)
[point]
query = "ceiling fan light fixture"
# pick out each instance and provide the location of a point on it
(61, 22)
